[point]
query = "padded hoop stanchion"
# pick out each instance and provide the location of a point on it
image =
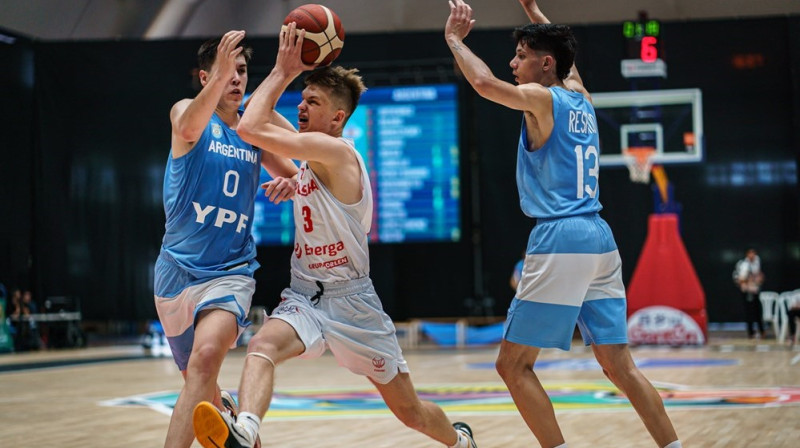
(664, 274)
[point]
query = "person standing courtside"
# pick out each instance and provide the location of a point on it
(572, 269)
(749, 277)
(331, 302)
(204, 272)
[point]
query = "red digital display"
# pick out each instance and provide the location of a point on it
(649, 49)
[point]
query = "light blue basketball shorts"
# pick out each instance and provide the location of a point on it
(572, 274)
(347, 318)
(179, 297)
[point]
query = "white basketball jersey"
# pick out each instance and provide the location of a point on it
(330, 237)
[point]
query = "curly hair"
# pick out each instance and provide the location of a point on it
(555, 39)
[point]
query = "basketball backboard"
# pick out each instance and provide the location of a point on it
(669, 121)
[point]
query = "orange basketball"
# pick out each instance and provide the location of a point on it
(324, 37)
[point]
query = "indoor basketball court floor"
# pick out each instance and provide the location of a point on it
(729, 393)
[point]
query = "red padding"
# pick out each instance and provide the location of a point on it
(665, 275)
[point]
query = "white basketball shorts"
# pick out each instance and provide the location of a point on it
(347, 318)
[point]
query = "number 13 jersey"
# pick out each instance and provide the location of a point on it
(562, 177)
(331, 243)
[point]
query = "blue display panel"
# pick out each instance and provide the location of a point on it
(408, 137)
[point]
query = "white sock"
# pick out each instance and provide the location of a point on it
(563, 445)
(250, 423)
(462, 441)
(675, 444)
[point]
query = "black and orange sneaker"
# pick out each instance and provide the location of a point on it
(217, 429)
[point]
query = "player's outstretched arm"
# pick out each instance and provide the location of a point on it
(573, 81)
(478, 74)
(533, 11)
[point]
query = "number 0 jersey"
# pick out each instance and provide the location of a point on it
(330, 237)
(561, 178)
(209, 197)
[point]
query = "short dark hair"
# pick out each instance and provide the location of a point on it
(344, 85)
(552, 38)
(207, 53)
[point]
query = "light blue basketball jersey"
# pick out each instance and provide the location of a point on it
(209, 198)
(561, 178)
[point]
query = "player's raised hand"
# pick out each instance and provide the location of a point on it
(279, 189)
(290, 49)
(227, 52)
(460, 21)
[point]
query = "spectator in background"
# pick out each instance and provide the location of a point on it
(23, 327)
(749, 277)
(28, 303)
(15, 305)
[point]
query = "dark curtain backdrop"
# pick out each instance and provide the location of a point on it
(17, 114)
(82, 176)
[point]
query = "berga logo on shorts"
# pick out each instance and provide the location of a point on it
(378, 362)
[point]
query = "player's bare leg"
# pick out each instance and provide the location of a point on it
(275, 342)
(423, 416)
(515, 366)
(214, 333)
(618, 366)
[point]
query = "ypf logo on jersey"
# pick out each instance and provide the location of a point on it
(216, 130)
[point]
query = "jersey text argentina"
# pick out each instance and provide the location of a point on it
(209, 200)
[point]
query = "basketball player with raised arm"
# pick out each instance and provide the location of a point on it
(331, 303)
(572, 269)
(204, 272)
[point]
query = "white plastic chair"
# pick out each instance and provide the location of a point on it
(781, 316)
(794, 300)
(768, 300)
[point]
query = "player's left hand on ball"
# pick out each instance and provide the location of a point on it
(279, 189)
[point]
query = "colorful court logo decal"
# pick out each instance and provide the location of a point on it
(489, 399)
(646, 363)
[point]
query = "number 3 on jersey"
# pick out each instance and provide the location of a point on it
(585, 185)
(308, 225)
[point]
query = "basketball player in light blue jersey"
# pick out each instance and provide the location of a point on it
(572, 269)
(204, 272)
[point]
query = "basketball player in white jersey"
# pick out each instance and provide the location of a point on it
(204, 272)
(572, 269)
(331, 303)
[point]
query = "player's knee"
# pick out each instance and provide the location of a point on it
(618, 372)
(260, 343)
(507, 369)
(411, 416)
(206, 358)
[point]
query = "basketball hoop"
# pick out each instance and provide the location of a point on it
(639, 160)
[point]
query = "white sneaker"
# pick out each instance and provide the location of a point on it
(465, 431)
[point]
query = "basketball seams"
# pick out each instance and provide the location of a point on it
(314, 18)
(327, 37)
(319, 26)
